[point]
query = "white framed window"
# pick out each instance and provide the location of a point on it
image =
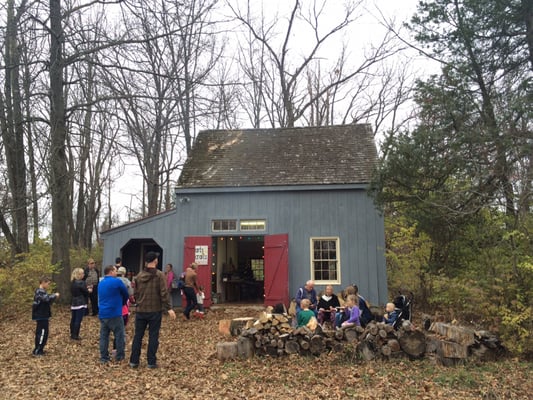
(325, 259)
(224, 225)
(253, 225)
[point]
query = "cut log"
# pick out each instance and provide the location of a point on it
(413, 343)
(350, 334)
(272, 351)
(264, 318)
(393, 344)
(237, 325)
(449, 349)
(339, 334)
(457, 334)
(227, 351)
(245, 347)
(317, 345)
(292, 347)
(366, 350)
(304, 344)
(337, 347)
(223, 327)
(386, 350)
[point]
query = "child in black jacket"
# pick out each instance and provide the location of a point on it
(41, 313)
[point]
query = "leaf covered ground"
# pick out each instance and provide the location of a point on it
(189, 369)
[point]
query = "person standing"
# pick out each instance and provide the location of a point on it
(190, 289)
(113, 295)
(41, 314)
(152, 298)
(170, 278)
(92, 279)
(78, 302)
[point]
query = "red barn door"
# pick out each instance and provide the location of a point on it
(277, 269)
(198, 249)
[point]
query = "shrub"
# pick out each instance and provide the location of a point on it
(19, 279)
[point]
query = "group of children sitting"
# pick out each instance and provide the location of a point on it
(354, 310)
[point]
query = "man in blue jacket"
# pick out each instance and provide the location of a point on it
(112, 295)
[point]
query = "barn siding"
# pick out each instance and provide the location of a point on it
(348, 214)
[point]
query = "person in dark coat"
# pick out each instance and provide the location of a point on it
(78, 302)
(41, 313)
(92, 279)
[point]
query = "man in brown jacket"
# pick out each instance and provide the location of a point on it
(152, 298)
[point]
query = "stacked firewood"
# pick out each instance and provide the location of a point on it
(273, 335)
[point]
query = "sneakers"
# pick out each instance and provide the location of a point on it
(152, 366)
(133, 365)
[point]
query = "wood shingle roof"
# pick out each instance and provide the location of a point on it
(290, 156)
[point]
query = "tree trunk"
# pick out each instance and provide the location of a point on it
(59, 177)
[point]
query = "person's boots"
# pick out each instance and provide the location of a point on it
(75, 335)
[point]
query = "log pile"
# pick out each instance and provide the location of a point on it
(449, 344)
(273, 335)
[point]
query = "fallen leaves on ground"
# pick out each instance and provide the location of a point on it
(189, 369)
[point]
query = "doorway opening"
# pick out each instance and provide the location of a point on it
(238, 269)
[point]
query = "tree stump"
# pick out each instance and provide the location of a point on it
(245, 347)
(227, 351)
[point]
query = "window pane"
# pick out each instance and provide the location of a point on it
(325, 259)
(224, 225)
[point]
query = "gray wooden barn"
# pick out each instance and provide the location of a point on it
(264, 210)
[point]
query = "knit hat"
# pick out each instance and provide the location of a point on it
(121, 271)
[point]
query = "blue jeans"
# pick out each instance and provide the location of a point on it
(152, 321)
(116, 325)
(190, 295)
(75, 321)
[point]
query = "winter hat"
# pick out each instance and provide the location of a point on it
(121, 271)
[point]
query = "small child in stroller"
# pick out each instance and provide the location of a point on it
(391, 314)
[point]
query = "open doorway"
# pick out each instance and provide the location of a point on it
(238, 268)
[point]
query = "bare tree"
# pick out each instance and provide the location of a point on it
(12, 127)
(306, 89)
(159, 82)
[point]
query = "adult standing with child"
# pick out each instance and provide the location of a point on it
(152, 298)
(190, 289)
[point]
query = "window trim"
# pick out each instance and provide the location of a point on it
(337, 239)
(256, 220)
(213, 221)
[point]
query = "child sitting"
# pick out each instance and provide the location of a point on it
(391, 314)
(305, 315)
(353, 310)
